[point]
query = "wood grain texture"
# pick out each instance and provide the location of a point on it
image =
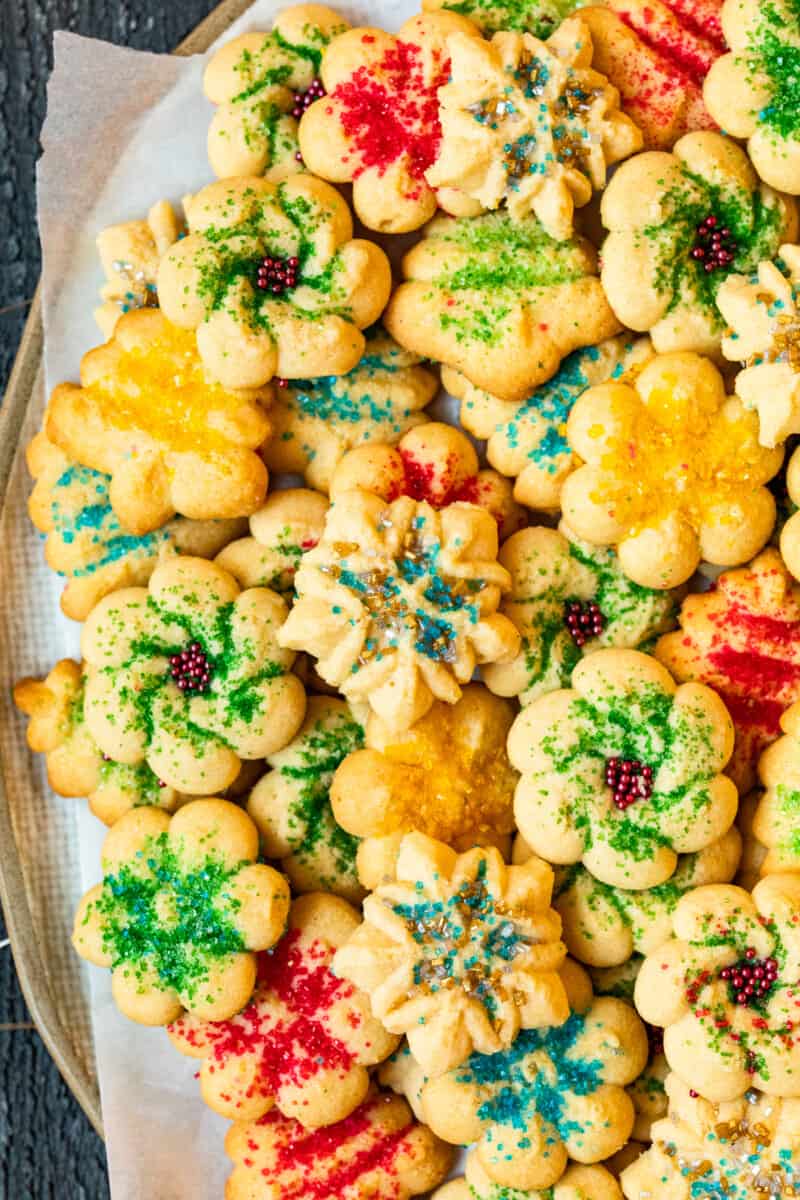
(48, 1150)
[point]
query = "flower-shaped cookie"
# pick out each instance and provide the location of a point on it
(764, 335)
(744, 1149)
(528, 441)
(432, 462)
(790, 532)
(743, 639)
(188, 676)
(84, 540)
(129, 255)
(291, 803)
(398, 602)
(316, 421)
(379, 1152)
(306, 1038)
(754, 91)
(273, 281)
(182, 908)
(554, 1093)
(171, 439)
(499, 300)
(680, 224)
(262, 83)
(378, 125)
(620, 771)
(449, 777)
(539, 17)
(289, 524)
(460, 952)
(577, 1183)
(725, 989)
(75, 764)
(529, 124)
(776, 819)
(569, 599)
(673, 472)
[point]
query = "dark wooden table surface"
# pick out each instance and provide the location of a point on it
(48, 1150)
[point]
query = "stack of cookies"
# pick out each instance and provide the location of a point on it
(454, 797)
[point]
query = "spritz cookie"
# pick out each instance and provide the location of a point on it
(272, 280)
(129, 255)
(499, 301)
(622, 771)
(673, 472)
(742, 638)
(577, 1183)
(680, 224)
(724, 989)
(554, 1094)
(292, 808)
(432, 462)
(188, 677)
(316, 421)
(567, 600)
(378, 127)
(398, 603)
(181, 911)
(528, 441)
(460, 952)
(753, 91)
(287, 526)
(776, 819)
(790, 531)
(304, 1041)
(528, 124)
(539, 17)
(753, 851)
(172, 440)
(448, 777)
(377, 1153)
(261, 84)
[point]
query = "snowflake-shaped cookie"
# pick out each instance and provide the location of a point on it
(529, 124)
(554, 1094)
(188, 676)
(291, 804)
(725, 989)
(621, 771)
(776, 819)
(577, 1183)
(378, 125)
(272, 280)
(459, 952)
(742, 638)
(306, 1038)
(182, 908)
(569, 599)
(528, 441)
(398, 603)
(172, 440)
(680, 224)
(744, 1149)
(499, 300)
(316, 421)
(433, 462)
(129, 255)
(289, 524)
(449, 777)
(673, 472)
(262, 83)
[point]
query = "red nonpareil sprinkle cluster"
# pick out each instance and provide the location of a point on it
(630, 780)
(303, 100)
(583, 621)
(751, 979)
(278, 275)
(714, 248)
(190, 669)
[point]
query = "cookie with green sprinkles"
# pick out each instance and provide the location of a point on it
(182, 910)
(187, 676)
(289, 524)
(753, 92)
(725, 989)
(679, 224)
(261, 84)
(539, 17)
(776, 819)
(567, 600)
(577, 1183)
(622, 771)
(553, 1094)
(291, 803)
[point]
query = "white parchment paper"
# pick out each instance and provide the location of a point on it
(123, 130)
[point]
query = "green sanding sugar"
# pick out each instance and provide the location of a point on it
(539, 17)
(773, 53)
